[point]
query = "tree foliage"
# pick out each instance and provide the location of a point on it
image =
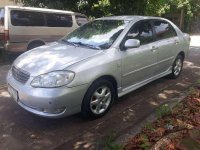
(160, 7)
(99, 8)
(94, 8)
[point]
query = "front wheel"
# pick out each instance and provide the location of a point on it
(98, 99)
(177, 67)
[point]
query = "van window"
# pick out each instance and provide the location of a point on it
(58, 20)
(2, 12)
(26, 18)
(81, 20)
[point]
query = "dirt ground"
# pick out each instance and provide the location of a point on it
(21, 130)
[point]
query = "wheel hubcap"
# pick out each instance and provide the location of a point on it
(178, 67)
(100, 100)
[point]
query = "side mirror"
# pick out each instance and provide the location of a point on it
(132, 43)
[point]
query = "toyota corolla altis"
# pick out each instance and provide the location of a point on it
(94, 65)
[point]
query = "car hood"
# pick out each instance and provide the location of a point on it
(55, 56)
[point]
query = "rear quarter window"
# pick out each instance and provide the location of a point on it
(26, 18)
(58, 20)
(164, 30)
(81, 20)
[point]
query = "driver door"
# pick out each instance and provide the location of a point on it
(138, 64)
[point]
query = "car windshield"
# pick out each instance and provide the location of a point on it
(97, 34)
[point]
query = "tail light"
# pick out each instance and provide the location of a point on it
(4, 36)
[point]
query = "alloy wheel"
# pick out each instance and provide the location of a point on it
(100, 100)
(178, 67)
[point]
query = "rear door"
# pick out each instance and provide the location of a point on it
(166, 43)
(26, 25)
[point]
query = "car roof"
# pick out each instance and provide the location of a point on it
(40, 9)
(128, 18)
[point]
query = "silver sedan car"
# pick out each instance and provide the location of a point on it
(92, 66)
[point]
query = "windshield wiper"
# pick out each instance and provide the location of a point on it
(69, 43)
(88, 45)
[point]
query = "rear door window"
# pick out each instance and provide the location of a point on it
(81, 20)
(2, 12)
(59, 20)
(164, 30)
(27, 18)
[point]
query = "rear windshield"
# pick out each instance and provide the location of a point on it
(2, 16)
(81, 20)
(28, 18)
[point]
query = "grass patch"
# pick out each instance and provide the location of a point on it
(110, 142)
(163, 111)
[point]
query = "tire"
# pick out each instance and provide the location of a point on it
(177, 67)
(34, 45)
(98, 99)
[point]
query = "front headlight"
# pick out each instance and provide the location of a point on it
(53, 79)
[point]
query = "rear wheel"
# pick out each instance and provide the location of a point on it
(177, 67)
(98, 99)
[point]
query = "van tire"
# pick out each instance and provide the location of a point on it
(5, 55)
(33, 45)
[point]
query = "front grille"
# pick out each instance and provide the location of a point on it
(20, 75)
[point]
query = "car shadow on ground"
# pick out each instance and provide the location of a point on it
(8, 58)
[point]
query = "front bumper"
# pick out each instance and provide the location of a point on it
(48, 102)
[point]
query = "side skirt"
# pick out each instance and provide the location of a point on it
(122, 92)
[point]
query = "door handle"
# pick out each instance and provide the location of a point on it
(176, 42)
(154, 48)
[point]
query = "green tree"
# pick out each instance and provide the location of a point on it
(56, 4)
(83, 6)
(128, 7)
(188, 9)
(99, 8)
(95, 8)
(160, 7)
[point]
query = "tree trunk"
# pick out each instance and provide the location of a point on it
(181, 19)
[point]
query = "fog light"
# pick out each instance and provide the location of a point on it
(44, 110)
(55, 111)
(59, 110)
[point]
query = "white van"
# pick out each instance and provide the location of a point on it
(24, 28)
